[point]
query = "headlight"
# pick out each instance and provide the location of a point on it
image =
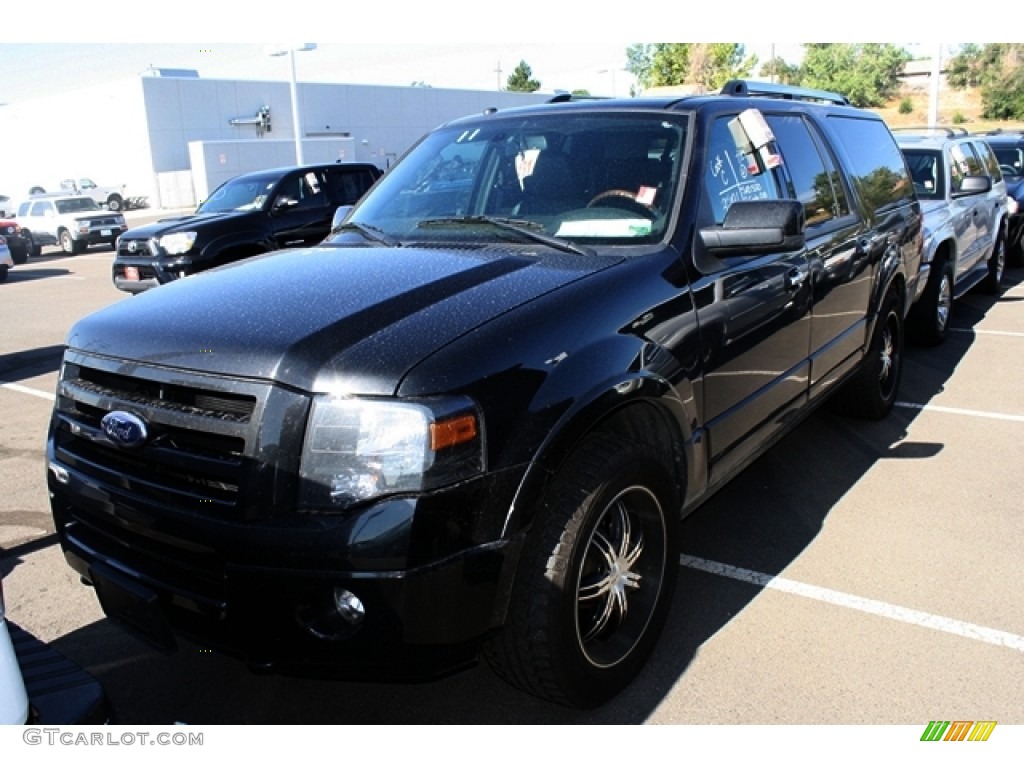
(356, 449)
(178, 242)
(1012, 206)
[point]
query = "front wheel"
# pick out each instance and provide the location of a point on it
(596, 577)
(67, 243)
(930, 316)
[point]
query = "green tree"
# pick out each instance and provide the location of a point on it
(868, 74)
(998, 69)
(780, 70)
(522, 80)
(708, 65)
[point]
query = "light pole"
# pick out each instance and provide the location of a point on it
(290, 50)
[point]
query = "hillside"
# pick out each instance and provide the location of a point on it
(956, 108)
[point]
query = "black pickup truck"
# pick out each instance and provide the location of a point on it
(250, 214)
(468, 423)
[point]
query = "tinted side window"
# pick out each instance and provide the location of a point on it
(348, 184)
(963, 155)
(817, 184)
(989, 159)
(727, 176)
(879, 171)
(1012, 157)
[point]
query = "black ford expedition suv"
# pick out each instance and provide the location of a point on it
(245, 216)
(469, 422)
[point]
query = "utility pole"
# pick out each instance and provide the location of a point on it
(498, 70)
(933, 98)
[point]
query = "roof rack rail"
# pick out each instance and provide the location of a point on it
(781, 91)
(561, 98)
(944, 130)
(1001, 132)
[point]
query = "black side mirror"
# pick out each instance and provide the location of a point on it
(756, 227)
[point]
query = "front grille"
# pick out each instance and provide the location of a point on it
(193, 459)
(219, 453)
(142, 249)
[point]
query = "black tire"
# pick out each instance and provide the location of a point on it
(871, 393)
(996, 268)
(19, 255)
(4, 269)
(115, 203)
(606, 540)
(33, 248)
(1015, 254)
(68, 244)
(929, 319)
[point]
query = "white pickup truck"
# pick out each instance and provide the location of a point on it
(113, 198)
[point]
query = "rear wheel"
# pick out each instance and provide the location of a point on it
(871, 393)
(32, 247)
(115, 203)
(996, 266)
(596, 576)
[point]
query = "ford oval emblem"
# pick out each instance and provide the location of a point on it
(124, 429)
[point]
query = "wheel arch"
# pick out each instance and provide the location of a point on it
(641, 407)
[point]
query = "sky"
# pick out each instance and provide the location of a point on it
(599, 67)
(441, 44)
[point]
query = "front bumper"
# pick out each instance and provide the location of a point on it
(135, 275)
(265, 590)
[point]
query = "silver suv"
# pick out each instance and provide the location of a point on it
(72, 221)
(963, 197)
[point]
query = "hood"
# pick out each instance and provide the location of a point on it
(182, 223)
(339, 319)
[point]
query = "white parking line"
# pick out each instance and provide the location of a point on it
(979, 332)
(960, 411)
(28, 390)
(863, 604)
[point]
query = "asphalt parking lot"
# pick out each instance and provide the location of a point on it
(859, 573)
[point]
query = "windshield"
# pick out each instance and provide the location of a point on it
(578, 177)
(241, 194)
(76, 204)
(926, 170)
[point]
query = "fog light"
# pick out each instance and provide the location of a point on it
(349, 607)
(334, 616)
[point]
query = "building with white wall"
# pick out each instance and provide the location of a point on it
(174, 139)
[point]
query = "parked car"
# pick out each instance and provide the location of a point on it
(963, 196)
(6, 261)
(6, 207)
(16, 240)
(40, 686)
(470, 421)
(1009, 149)
(248, 215)
(72, 221)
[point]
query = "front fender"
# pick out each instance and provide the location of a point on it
(659, 404)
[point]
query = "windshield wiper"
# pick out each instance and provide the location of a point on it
(369, 232)
(531, 230)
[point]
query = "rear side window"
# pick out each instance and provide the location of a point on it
(816, 182)
(349, 184)
(879, 171)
